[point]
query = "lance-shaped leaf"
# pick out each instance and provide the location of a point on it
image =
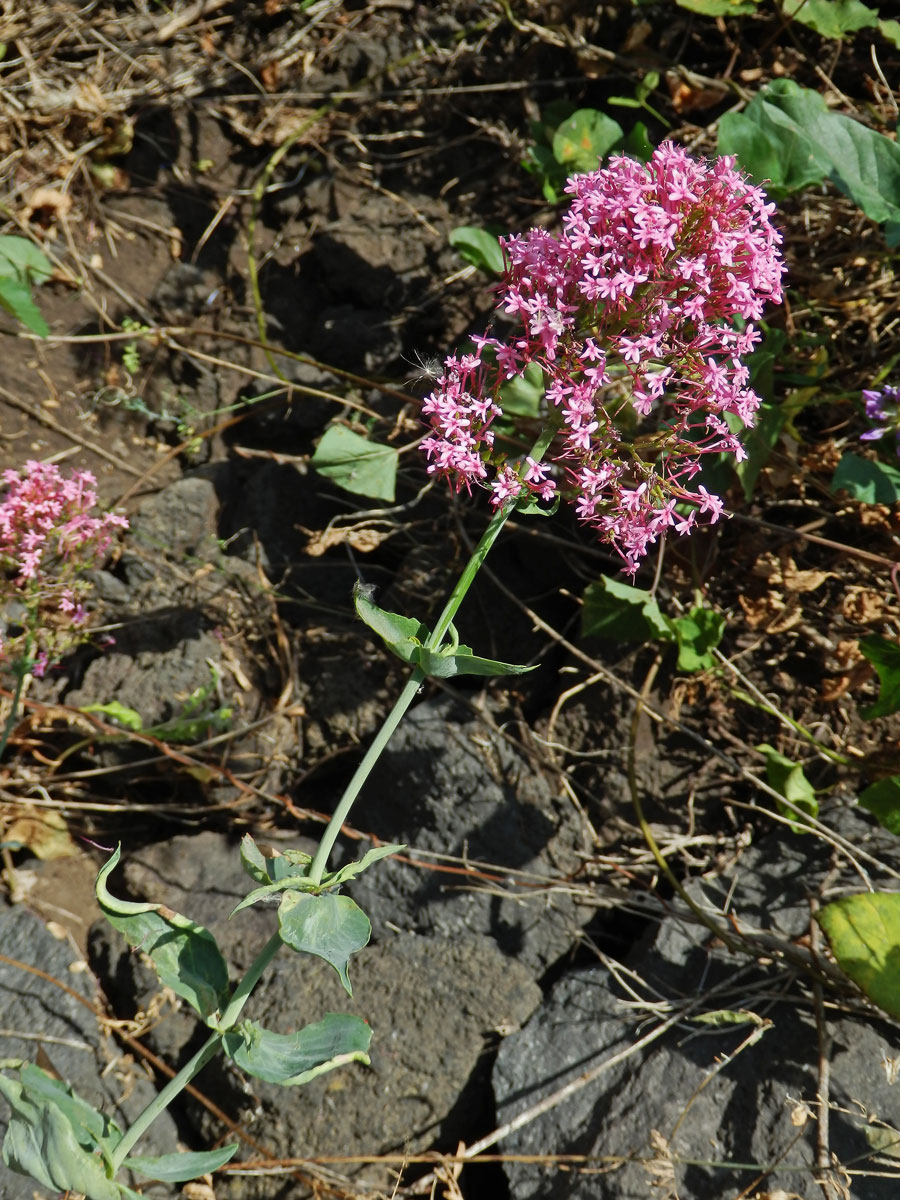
(352, 869)
(331, 927)
(179, 1168)
(266, 868)
(296, 1058)
(184, 954)
(406, 638)
(864, 934)
(444, 664)
(403, 636)
(41, 1142)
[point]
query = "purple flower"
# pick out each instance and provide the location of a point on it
(884, 408)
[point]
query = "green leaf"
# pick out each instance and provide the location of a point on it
(296, 1058)
(21, 257)
(865, 165)
(864, 934)
(787, 778)
(522, 395)
(41, 1142)
(831, 18)
(479, 247)
(882, 799)
(622, 613)
(15, 298)
(884, 655)
(91, 1128)
(719, 8)
(637, 143)
(184, 954)
(698, 635)
(866, 480)
(268, 868)
(356, 464)
(772, 151)
(179, 1168)
(440, 664)
(584, 139)
(126, 717)
(890, 31)
(330, 926)
(402, 635)
(351, 870)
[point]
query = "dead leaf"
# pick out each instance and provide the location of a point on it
(364, 539)
(796, 580)
(822, 458)
(849, 681)
(270, 75)
(45, 206)
(691, 95)
(862, 606)
(800, 1114)
(771, 613)
(44, 834)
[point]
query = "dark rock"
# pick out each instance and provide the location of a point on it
(716, 1095)
(456, 788)
(36, 1015)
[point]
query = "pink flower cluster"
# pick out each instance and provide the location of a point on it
(49, 535)
(638, 314)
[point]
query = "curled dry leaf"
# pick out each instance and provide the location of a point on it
(365, 539)
(862, 606)
(44, 834)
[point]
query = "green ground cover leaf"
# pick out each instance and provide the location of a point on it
(866, 480)
(787, 777)
(479, 247)
(356, 464)
(864, 934)
(329, 926)
(184, 954)
(831, 18)
(584, 139)
(698, 634)
(296, 1058)
(882, 799)
(807, 141)
(622, 613)
(884, 655)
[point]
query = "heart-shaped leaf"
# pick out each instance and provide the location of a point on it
(356, 464)
(864, 934)
(330, 926)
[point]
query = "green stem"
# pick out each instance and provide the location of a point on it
(207, 1051)
(432, 642)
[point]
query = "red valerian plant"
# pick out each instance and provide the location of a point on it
(646, 300)
(50, 535)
